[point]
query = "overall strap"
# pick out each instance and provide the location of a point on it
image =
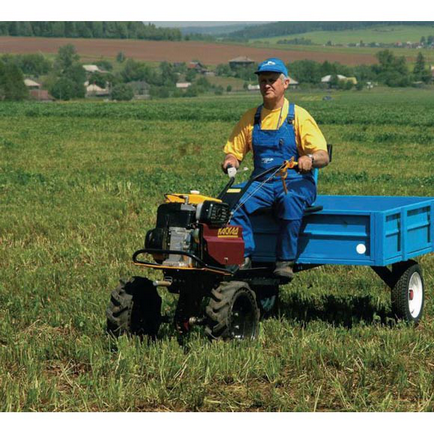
(291, 114)
(258, 115)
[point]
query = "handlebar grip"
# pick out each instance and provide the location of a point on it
(231, 171)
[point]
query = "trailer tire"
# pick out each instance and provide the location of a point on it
(134, 309)
(232, 312)
(408, 295)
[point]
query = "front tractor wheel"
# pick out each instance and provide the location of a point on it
(232, 312)
(408, 294)
(134, 309)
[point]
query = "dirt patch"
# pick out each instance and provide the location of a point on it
(158, 51)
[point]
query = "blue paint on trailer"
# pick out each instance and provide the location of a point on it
(355, 230)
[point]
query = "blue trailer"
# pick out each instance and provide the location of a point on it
(384, 233)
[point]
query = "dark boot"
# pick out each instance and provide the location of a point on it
(284, 269)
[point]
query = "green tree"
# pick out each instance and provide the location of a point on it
(391, 70)
(191, 75)
(63, 88)
(70, 75)
(135, 71)
(419, 67)
(120, 57)
(219, 90)
(224, 70)
(105, 65)
(66, 57)
(334, 81)
(122, 92)
(59, 29)
(192, 91)
(169, 76)
(98, 31)
(306, 71)
(203, 82)
(12, 87)
(420, 71)
(98, 79)
(229, 88)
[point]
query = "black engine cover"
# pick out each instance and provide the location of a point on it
(214, 214)
(155, 239)
(172, 215)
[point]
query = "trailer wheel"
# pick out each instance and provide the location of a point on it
(408, 294)
(232, 312)
(134, 309)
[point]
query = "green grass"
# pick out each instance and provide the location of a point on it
(80, 183)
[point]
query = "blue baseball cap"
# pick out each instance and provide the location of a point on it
(272, 65)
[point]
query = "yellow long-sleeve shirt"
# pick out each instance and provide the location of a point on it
(308, 136)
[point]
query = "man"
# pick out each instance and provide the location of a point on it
(277, 131)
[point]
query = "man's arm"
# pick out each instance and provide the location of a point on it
(312, 142)
(239, 142)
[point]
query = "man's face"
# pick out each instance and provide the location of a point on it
(272, 87)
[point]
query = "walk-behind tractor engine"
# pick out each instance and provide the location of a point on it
(193, 230)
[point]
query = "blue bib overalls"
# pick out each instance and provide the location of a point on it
(271, 148)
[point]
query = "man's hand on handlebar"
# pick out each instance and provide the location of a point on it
(230, 161)
(305, 164)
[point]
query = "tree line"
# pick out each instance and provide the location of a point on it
(64, 77)
(391, 70)
(89, 29)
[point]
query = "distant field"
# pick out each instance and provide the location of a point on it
(158, 51)
(384, 34)
(80, 183)
(347, 53)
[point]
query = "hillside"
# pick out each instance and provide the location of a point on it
(384, 34)
(285, 28)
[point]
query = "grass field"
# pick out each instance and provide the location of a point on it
(80, 183)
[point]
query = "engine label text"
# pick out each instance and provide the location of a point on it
(228, 232)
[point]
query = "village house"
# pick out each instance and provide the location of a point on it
(183, 85)
(36, 92)
(253, 87)
(91, 69)
(241, 61)
(327, 80)
(32, 85)
(198, 67)
(293, 84)
(93, 90)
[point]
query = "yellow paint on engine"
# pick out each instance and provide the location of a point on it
(191, 198)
